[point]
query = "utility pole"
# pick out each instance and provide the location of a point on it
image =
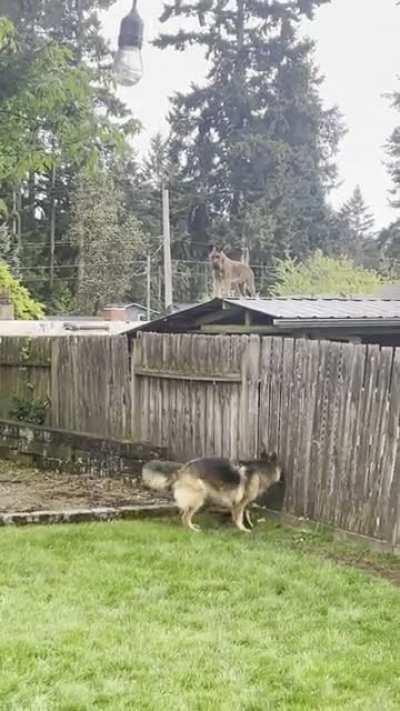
(16, 220)
(148, 287)
(53, 216)
(167, 249)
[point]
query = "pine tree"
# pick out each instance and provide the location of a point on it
(389, 237)
(389, 245)
(108, 241)
(356, 222)
(254, 144)
(141, 183)
(357, 215)
(393, 152)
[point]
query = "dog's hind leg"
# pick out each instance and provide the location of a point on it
(248, 518)
(189, 500)
(187, 519)
(237, 516)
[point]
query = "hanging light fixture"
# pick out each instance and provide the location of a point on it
(128, 63)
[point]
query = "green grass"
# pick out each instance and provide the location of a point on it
(144, 615)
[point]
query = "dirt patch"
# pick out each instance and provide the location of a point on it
(349, 554)
(25, 490)
(389, 569)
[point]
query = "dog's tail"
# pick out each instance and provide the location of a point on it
(160, 476)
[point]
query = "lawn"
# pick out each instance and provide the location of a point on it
(143, 615)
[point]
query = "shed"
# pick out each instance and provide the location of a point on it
(126, 312)
(349, 320)
(67, 326)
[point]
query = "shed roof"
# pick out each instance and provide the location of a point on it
(281, 311)
(321, 308)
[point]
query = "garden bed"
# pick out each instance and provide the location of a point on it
(24, 490)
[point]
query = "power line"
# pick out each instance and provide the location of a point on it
(45, 279)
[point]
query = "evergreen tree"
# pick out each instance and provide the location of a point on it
(393, 152)
(108, 241)
(141, 183)
(254, 144)
(356, 223)
(389, 245)
(389, 237)
(357, 215)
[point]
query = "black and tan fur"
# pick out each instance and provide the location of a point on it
(159, 475)
(217, 482)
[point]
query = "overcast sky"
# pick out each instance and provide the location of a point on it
(358, 52)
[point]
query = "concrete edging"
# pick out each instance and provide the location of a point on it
(85, 515)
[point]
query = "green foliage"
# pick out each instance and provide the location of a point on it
(108, 239)
(393, 152)
(33, 411)
(389, 237)
(320, 275)
(9, 250)
(47, 112)
(6, 33)
(141, 186)
(59, 110)
(24, 306)
(254, 144)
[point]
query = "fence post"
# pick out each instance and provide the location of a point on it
(250, 398)
(135, 394)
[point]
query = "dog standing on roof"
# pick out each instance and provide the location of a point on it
(231, 278)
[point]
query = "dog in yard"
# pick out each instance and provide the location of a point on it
(159, 475)
(230, 278)
(215, 481)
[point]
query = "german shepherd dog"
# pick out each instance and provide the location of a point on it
(214, 481)
(231, 278)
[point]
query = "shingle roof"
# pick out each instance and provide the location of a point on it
(322, 308)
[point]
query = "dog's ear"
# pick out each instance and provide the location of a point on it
(273, 458)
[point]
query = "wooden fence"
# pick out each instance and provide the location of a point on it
(198, 394)
(330, 410)
(24, 372)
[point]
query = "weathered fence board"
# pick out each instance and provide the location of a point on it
(332, 410)
(191, 392)
(91, 386)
